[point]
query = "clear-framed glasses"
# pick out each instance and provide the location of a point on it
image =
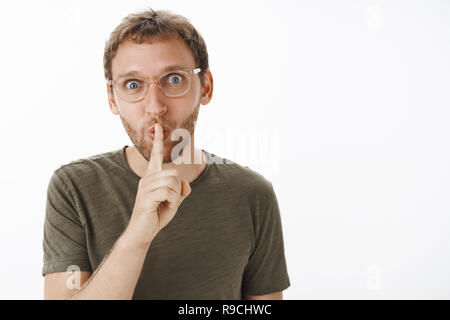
(174, 83)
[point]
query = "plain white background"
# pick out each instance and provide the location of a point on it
(343, 105)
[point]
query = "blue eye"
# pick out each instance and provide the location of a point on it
(175, 77)
(133, 85)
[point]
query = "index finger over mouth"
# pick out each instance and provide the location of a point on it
(156, 157)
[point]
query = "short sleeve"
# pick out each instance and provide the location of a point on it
(266, 271)
(64, 240)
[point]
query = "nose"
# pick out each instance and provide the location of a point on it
(154, 100)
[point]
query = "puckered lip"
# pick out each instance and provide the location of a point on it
(152, 129)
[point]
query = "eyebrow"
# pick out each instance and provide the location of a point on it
(137, 73)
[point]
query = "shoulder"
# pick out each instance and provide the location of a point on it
(238, 177)
(87, 168)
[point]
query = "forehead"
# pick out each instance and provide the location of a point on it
(150, 58)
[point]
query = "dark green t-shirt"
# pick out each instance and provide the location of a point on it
(225, 239)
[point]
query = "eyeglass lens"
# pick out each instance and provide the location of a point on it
(173, 84)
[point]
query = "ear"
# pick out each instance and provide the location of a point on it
(111, 99)
(207, 88)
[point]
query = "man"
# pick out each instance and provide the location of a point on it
(138, 223)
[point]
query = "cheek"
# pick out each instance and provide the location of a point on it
(195, 92)
(133, 115)
(132, 120)
(188, 103)
(177, 110)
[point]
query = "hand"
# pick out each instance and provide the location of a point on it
(160, 193)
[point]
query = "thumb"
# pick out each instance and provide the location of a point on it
(185, 189)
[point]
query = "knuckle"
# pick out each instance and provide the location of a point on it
(172, 172)
(165, 192)
(174, 181)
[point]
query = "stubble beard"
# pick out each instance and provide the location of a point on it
(144, 144)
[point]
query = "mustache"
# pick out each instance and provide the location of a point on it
(162, 123)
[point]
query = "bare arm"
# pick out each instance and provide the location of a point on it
(117, 275)
(56, 285)
(270, 296)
